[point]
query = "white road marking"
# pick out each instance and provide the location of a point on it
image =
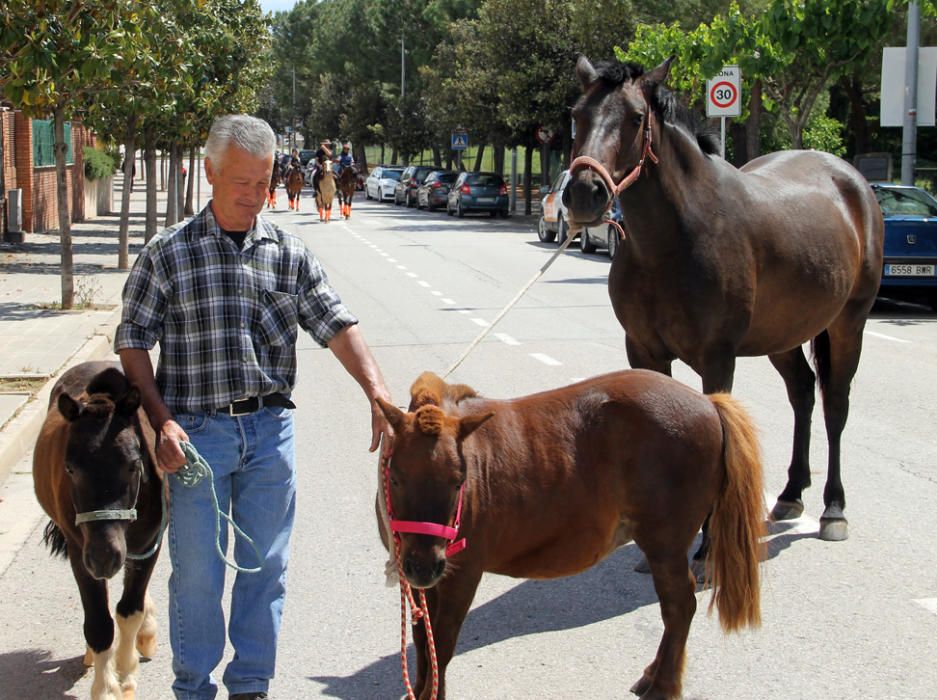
(401, 267)
(423, 283)
(506, 339)
(464, 311)
(480, 322)
(929, 604)
(436, 293)
(887, 337)
(448, 301)
(412, 274)
(545, 359)
(391, 260)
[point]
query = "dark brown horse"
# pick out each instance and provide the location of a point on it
(723, 262)
(95, 476)
(556, 481)
(294, 186)
(347, 182)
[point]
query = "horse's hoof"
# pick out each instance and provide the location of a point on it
(641, 686)
(146, 646)
(787, 510)
(834, 529)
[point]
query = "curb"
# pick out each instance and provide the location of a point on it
(19, 435)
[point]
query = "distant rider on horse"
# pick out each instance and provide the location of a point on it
(323, 157)
(346, 159)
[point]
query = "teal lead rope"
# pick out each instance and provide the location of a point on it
(196, 469)
(191, 475)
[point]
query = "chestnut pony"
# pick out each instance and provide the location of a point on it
(294, 186)
(550, 484)
(325, 194)
(722, 262)
(94, 469)
(347, 182)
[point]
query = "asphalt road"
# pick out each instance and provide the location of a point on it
(856, 619)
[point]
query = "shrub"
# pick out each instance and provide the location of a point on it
(98, 164)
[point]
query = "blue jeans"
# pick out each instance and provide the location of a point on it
(252, 457)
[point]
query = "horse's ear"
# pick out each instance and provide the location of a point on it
(130, 402)
(394, 415)
(585, 72)
(68, 407)
(469, 424)
(658, 75)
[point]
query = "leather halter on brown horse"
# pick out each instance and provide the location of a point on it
(550, 484)
(723, 262)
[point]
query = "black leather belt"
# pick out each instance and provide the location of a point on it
(245, 406)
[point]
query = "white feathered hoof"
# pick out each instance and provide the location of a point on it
(787, 510)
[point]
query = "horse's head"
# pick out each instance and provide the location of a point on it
(425, 479)
(104, 459)
(615, 127)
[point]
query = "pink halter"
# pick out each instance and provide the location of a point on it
(415, 527)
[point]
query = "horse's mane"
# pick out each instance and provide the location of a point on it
(104, 390)
(430, 389)
(663, 101)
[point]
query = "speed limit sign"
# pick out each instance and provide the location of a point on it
(724, 93)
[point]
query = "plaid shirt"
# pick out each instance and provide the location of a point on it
(226, 319)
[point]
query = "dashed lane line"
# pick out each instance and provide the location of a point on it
(545, 359)
(506, 339)
(887, 337)
(929, 604)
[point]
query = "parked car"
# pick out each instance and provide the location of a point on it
(910, 261)
(554, 225)
(435, 189)
(413, 176)
(381, 182)
(305, 155)
(478, 192)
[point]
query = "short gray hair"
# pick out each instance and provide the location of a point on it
(247, 133)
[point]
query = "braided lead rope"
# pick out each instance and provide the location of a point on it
(418, 613)
(195, 470)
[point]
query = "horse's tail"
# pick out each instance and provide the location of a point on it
(737, 522)
(54, 539)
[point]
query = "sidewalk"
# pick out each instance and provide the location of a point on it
(38, 341)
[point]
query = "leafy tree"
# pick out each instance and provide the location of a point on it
(56, 55)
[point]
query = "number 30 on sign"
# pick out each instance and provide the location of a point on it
(724, 93)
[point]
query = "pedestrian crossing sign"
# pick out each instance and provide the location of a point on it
(459, 140)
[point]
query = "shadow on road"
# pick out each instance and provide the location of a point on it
(31, 673)
(604, 592)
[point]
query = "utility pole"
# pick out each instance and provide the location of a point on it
(403, 69)
(293, 114)
(909, 131)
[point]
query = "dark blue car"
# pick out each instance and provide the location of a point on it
(910, 264)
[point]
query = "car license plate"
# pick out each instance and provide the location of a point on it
(909, 270)
(486, 200)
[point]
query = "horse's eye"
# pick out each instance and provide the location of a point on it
(136, 465)
(638, 120)
(69, 469)
(394, 482)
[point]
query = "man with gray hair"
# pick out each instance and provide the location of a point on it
(224, 295)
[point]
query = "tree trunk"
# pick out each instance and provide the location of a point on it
(449, 160)
(65, 222)
(739, 136)
(123, 246)
(857, 122)
(545, 164)
(753, 125)
(3, 190)
(499, 159)
(382, 155)
(162, 171)
(393, 157)
(189, 188)
(361, 158)
(180, 182)
(437, 157)
(151, 166)
(172, 197)
(528, 166)
(479, 154)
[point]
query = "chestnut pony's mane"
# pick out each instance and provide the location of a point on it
(427, 396)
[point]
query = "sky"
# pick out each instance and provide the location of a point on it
(276, 5)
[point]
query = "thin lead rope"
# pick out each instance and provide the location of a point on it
(195, 470)
(510, 305)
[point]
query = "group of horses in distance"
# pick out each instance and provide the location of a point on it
(328, 185)
(718, 262)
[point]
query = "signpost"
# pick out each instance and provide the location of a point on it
(459, 142)
(724, 98)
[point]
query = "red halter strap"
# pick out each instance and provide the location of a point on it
(583, 162)
(416, 527)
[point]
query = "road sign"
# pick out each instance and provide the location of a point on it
(724, 93)
(544, 134)
(460, 140)
(893, 67)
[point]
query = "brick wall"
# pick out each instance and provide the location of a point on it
(40, 202)
(9, 161)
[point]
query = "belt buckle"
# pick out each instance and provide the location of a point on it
(235, 413)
